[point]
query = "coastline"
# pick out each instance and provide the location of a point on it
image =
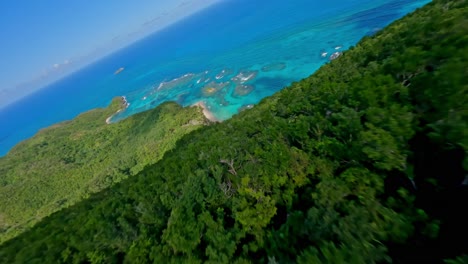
(206, 112)
(125, 105)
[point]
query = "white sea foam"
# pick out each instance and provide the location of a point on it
(244, 76)
(179, 81)
(149, 68)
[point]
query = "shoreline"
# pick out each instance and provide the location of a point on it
(124, 103)
(206, 112)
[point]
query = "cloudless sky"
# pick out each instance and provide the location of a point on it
(39, 37)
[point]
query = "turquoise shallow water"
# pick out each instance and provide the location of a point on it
(229, 56)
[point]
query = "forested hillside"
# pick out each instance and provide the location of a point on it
(69, 161)
(363, 162)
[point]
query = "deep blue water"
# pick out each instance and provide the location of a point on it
(228, 56)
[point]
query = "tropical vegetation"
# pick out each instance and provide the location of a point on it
(69, 161)
(365, 161)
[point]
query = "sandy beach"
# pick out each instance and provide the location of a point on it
(109, 118)
(208, 114)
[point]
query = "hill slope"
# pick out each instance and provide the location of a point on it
(330, 170)
(68, 161)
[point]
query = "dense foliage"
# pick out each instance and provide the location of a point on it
(67, 162)
(330, 170)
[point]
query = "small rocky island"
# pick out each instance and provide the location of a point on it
(119, 70)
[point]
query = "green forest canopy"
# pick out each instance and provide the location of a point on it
(67, 162)
(362, 162)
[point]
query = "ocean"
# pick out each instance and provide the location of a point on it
(228, 56)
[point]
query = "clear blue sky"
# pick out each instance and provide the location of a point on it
(46, 37)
